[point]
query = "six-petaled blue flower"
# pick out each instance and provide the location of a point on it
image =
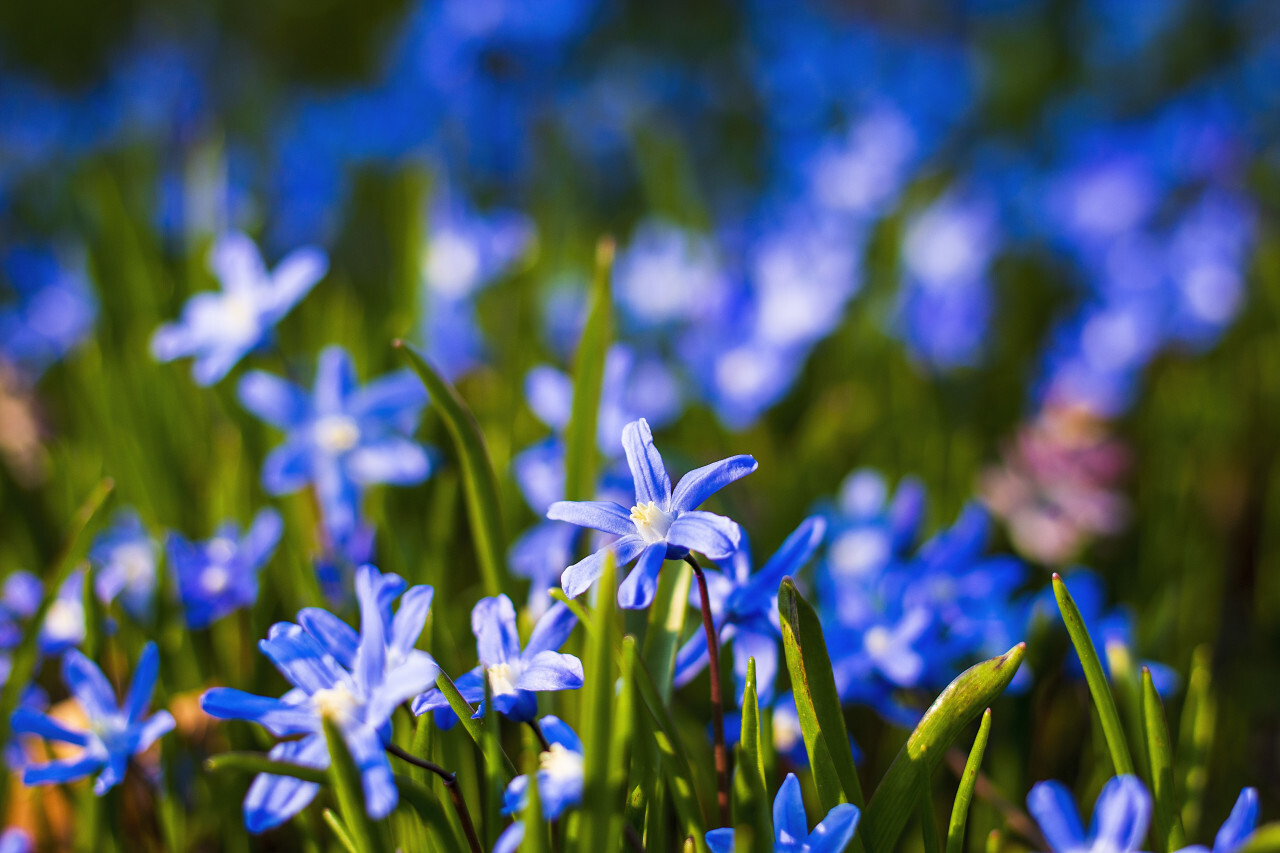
(1120, 817)
(220, 576)
(791, 825)
(664, 524)
(125, 556)
(560, 773)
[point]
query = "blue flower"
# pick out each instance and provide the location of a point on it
(14, 840)
(54, 309)
(515, 676)
(341, 438)
(355, 680)
(663, 525)
(668, 275)
(220, 576)
(559, 773)
(1120, 817)
(116, 732)
(1237, 828)
(126, 557)
(221, 328)
(745, 609)
(791, 825)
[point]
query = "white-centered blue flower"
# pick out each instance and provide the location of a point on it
(791, 825)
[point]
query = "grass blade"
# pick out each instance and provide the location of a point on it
(345, 778)
(968, 779)
(928, 824)
(601, 670)
(895, 797)
(256, 762)
(475, 728)
(536, 838)
(429, 809)
(1195, 739)
(480, 483)
(1265, 839)
(817, 701)
(750, 798)
(1166, 823)
(1103, 701)
(340, 831)
(666, 621)
(580, 453)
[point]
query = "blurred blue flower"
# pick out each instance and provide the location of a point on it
(125, 559)
(791, 825)
(1120, 817)
(220, 576)
(219, 329)
(666, 275)
(63, 626)
(560, 773)
(1236, 829)
(53, 308)
(15, 840)
(116, 731)
(340, 438)
(664, 524)
(515, 676)
(355, 681)
(744, 608)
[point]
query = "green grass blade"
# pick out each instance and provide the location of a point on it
(575, 605)
(256, 762)
(480, 483)
(928, 822)
(601, 672)
(666, 622)
(26, 655)
(895, 798)
(817, 701)
(1195, 739)
(536, 838)
(475, 728)
(345, 778)
(1166, 822)
(750, 798)
(429, 808)
(1126, 688)
(968, 779)
(1103, 702)
(581, 454)
(1265, 839)
(494, 783)
(340, 831)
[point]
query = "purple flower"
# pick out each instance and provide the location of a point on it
(663, 524)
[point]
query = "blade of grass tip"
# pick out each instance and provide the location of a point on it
(536, 837)
(751, 807)
(480, 483)
(750, 734)
(666, 622)
(994, 841)
(1195, 739)
(345, 778)
(818, 702)
(340, 831)
(493, 780)
(601, 675)
(928, 822)
(1103, 702)
(894, 799)
(581, 454)
(474, 728)
(1167, 824)
(575, 605)
(256, 762)
(1127, 689)
(26, 655)
(968, 780)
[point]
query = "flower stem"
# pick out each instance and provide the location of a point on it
(543, 743)
(451, 783)
(717, 700)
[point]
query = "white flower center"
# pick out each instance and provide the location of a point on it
(878, 641)
(452, 266)
(502, 679)
(136, 562)
(334, 703)
(786, 732)
(214, 579)
(65, 619)
(240, 316)
(336, 433)
(651, 522)
(560, 763)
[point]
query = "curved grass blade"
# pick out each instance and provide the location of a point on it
(364, 835)
(256, 762)
(1166, 824)
(26, 655)
(580, 452)
(480, 483)
(895, 797)
(968, 779)
(817, 702)
(575, 605)
(1195, 739)
(1103, 701)
(475, 728)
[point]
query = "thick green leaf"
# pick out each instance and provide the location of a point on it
(257, 762)
(26, 655)
(817, 701)
(1195, 739)
(601, 672)
(1103, 701)
(666, 622)
(968, 779)
(896, 796)
(928, 822)
(364, 835)
(479, 481)
(475, 728)
(1166, 822)
(581, 453)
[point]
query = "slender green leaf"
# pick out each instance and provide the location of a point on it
(601, 672)
(475, 728)
(257, 762)
(428, 806)
(963, 699)
(1166, 823)
(1195, 740)
(574, 604)
(26, 655)
(994, 841)
(340, 831)
(580, 453)
(751, 810)
(968, 779)
(1265, 839)
(345, 778)
(928, 822)
(817, 701)
(620, 741)
(493, 780)
(1103, 702)
(536, 839)
(750, 735)
(480, 483)
(1126, 687)
(666, 622)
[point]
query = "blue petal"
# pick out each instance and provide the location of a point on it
(549, 393)
(277, 401)
(157, 725)
(293, 279)
(510, 839)
(274, 799)
(579, 577)
(33, 722)
(335, 381)
(701, 483)
(1053, 807)
(61, 771)
(691, 659)
(493, 621)
(300, 658)
(640, 586)
(836, 830)
(335, 636)
(551, 671)
(515, 798)
(764, 648)
(647, 469)
(1240, 824)
(789, 821)
(552, 630)
(216, 362)
(556, 730)
(112, 773)
(1121, 815)
(287, 468)
(389, 398)
(371, 657)
(798, 548)
(720, 840)
(236, 262)
(90, 687)
(394, 460)
(706, 533)
(598, 515)
(278, 717)
(380, 792)
(407, 625)
(143, 684)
